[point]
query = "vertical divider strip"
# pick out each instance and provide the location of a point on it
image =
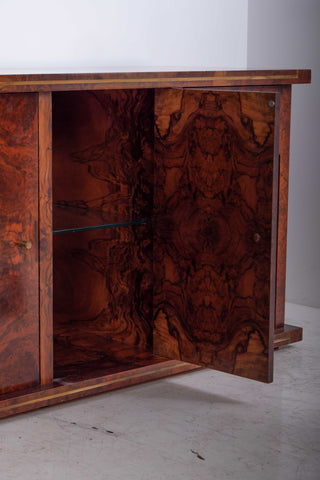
(45, 238)
(274, 234)
(284, 146)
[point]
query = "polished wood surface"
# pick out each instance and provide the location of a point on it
(96, 355)
(282, 142)
(45, 238)
(102, 286)
(102, 157)
(19, 295)
(209, 255)
(99, 81)
(215, 170)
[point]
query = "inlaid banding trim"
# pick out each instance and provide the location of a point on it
(150, 80)
(281, 340)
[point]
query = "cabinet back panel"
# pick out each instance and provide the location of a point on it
(102, 157)
(19, 293)
(214, 247)
(102, 290)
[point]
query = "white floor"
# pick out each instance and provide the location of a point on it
(202, 425)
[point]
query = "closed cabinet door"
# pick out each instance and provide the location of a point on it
(19, 294)
(215, 201)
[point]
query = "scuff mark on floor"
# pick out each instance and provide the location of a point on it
(197, 454)
(85, 426)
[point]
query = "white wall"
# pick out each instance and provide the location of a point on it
(285, 34)
(78, 35)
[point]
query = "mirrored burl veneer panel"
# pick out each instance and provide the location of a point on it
(102, 157)
(102, 177)
(215, 203)
(102, 294)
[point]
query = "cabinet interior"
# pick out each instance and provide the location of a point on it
(203, 162)
(102, 237)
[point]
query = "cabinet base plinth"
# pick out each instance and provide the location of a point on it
(39, 397)
(288, 334)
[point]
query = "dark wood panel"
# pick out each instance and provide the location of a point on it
(102, 287)
(283, 108)
(19, 295)
(102, 157)
(213, 246)
(45, 238)
(94, 355)
(98, 81)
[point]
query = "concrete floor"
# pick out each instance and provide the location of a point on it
(202, 425)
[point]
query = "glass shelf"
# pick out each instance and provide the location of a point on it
(98, 227)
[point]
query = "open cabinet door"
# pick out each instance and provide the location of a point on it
(215, 204)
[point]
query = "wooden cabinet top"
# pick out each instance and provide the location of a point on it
(167, 79)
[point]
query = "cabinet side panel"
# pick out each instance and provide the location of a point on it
(19, 293)
(215, 173)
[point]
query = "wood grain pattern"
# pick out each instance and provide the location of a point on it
(96, 355)
(214, 176)
(19, 294)
(45, 238)
(216, 229)
(283, 108)
(125, 80)
(102, 288)
(102, 157)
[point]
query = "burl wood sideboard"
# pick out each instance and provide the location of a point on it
(142, 229)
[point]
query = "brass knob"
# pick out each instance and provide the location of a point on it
(25, 244)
